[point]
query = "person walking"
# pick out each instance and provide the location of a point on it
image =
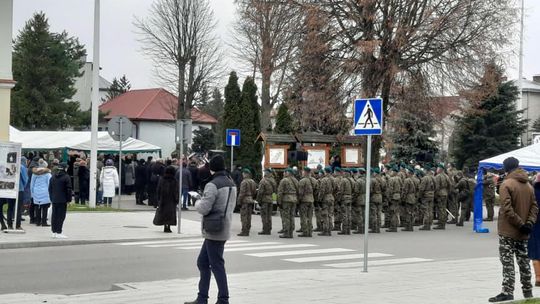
(267, 188)
(39, 187)
(215, 204)
(517, 215)
(534, 240)
(60, 190)
(109, 181)
(140, 182)
(248, 191)
(167, 191)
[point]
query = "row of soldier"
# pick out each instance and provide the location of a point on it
(400, 196)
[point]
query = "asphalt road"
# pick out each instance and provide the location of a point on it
(93, 268)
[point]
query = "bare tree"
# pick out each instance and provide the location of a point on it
(266, 38)
(179, 37)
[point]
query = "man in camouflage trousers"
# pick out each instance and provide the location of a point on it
(408, 197)
(489, 196)
(376, 198)
(453, 204)
(394, 192)
(267, 187)
(442, 182)
(337, 199)
(465, 198)
(248, 191)
(517, 215)
(426, 192)
(287, 199)
(360, 203)
(317, 205)
(347, 189)
(326, 197)
(306, 189)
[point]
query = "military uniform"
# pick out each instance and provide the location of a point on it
(426, 192)
(317, 204)
(306, 200)
(489, 197)
(394, 192)
(463, 197)
(326, 197)
(408, 197)
(347, 187)
(287, 199)
(337, 202)
(377, 188)
(416, 212)
(267, 187)
(453, 205)
(442, 182)
(358, 207)
(248, 190)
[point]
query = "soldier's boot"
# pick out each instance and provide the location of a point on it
(281, 231)
(488, 219)
(318, 229)
(304, 235)
(439, 227)
(243, 234)
(285, 236)
(299, 230)
(374, 230)
(327, 233)
(453, 221)
(408, 228)
(391, 229)
(425, 227)
(264, 233)
(344, 232)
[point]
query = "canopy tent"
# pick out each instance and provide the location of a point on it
(529, 160)
(76, 140)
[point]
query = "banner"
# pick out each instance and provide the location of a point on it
(10, 165)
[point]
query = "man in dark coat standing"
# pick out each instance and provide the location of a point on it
(517, 215)
(60, 191)
(140, 182)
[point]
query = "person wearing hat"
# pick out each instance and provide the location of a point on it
(39, 187)
(217, 202)
(377, 188)
(394, 195)
(426, 194)
(306, 198)
(109, 181)
(246, 196)
(60, 190)
(338, 176)
(409, 201)
(346, 195)
(444, 186)
(287, 199)
(489, 195)
(359, 203)
(267, 188)
(464, 196)
(326, 197)
(517, 215)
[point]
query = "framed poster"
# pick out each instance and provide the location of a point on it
(317, 155)
(276, 156)
(351, 156)
(10, 166)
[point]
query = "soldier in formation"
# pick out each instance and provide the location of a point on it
(267, 188)
(287, 200)
(248, 192)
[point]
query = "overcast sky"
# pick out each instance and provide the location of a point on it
(120, 50)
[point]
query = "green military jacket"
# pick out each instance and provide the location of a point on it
(394, 188)
(377, 188)
(361, 191)
(443, 184)
(305, 191)
(287, 191)
(426, 189)
(409, 191)
(326, 190)
(489, 188)
(346, 190)
(267, 187)
(248, 191)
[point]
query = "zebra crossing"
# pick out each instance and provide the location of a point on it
(301, 253)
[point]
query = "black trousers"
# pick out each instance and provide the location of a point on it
(11, 211)
(58, 217)
(32, 211)
(139, 194)
(41, 214)
(107, 200)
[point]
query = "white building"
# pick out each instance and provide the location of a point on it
(6, 76)
(152, 112)
(83, 85)
(530, 103)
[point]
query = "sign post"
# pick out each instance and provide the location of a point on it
(120, 129)
(10, 172)
(368, 120)
(183, 135)
(233, 140)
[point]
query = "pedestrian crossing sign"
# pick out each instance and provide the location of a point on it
(368, 116)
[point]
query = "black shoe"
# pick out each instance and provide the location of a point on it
(281, 231)
(501, 297)
(527, 294)
(192, 302)
(459, 224)
(45, 225)
(264, 233)
(344, 233)
(324, 234)
(374, 231)
(283, 236)
(184, 209)
(426, 228)
(407, 229)
(243, 234)
(38, 224)
(439, 227)
(304, 235)
(391, 230)
(452, 222)
(299, 231)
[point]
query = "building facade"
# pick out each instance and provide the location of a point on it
(530, 103)
(6, 75)
(83, 85)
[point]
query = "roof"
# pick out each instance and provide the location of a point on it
(529, 86)
(316, 138)
(104, 84)
(276, 138)
(529, 158)
(150, 104)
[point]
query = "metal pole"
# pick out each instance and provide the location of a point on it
(232, 158)
(94, 108)
(520, 76)
(180, 171)
(368, 190)
(121, 122)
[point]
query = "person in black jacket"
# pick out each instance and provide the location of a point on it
(84, 182)
(167, 193)
(140, 182)
(60, 192)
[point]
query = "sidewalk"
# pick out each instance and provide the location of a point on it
(97, 227)
(459, 281)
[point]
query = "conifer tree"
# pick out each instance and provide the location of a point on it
(232, 118)
(492, 125)
(250, 152)
(284, 121)
(118, 87)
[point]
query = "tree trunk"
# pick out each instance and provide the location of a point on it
(266, 105)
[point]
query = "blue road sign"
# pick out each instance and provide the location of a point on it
(233, 137)
(368, 116)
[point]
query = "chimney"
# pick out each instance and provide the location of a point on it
(536, 78)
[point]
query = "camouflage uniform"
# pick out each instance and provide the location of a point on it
(358, 206)
(394, 192)
(426, 191)
(385, 200)
(453, 204)
(416, 210)
(442, 182)
(489, 196)
(337, 203)
(267, 187)
(306, 200)
(409, 199)
(317, 204)
(326, 197)
(346, 201)
(464, 198)
(248, 190)
(287, 199)
(376, 200)
(509, 247)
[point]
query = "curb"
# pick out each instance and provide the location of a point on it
(58, 243)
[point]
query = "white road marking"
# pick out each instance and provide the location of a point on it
(160, 242)
(176, 244)
(379, 262)
(298, 252)
(269, 247)
(337, 257)
(264, 244)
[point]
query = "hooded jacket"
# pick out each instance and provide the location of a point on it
(60, 187)
(109, 181)
(39, 186)
(518, 205)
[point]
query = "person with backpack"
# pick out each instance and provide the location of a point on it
(60, 190)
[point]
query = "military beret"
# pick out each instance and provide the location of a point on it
(268, 170)
(419, 172)
(440, 165)
(362, 170)
(410, 169)
(328, 169)
(354, 170)
(337, 169)
(388, 166)
(395, 168)
(246, 170)
(376, 170)
(289, 170)
(307, 169)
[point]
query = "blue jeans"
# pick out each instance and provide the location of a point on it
(185, 196)
(211, 261)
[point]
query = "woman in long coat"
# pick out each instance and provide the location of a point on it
(109, 181)
(167, 194)
(534, 239)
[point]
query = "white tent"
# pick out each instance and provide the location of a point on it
(75, 140)
(529, 158)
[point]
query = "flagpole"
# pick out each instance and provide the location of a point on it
(94, 109)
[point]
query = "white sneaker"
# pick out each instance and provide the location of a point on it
(61, 236)
(54, 235)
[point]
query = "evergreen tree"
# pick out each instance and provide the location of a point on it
(250, 153)
(203, 140)
(232, 117)
(45, 65)
(412, 121)
(492, 125)
(284, 120)
(213, 105)
(118, 87)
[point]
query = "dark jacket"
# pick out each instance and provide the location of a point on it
(194, 181)
(60, 189)
(534, 240)
(84, 178)
(140, 176)
(204, 176)
(518, 205)
(186, 178)
(168, 196)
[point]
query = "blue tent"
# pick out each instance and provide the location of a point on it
(529, 160)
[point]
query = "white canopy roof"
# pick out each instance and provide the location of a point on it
(529, 158)
(75, 140)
